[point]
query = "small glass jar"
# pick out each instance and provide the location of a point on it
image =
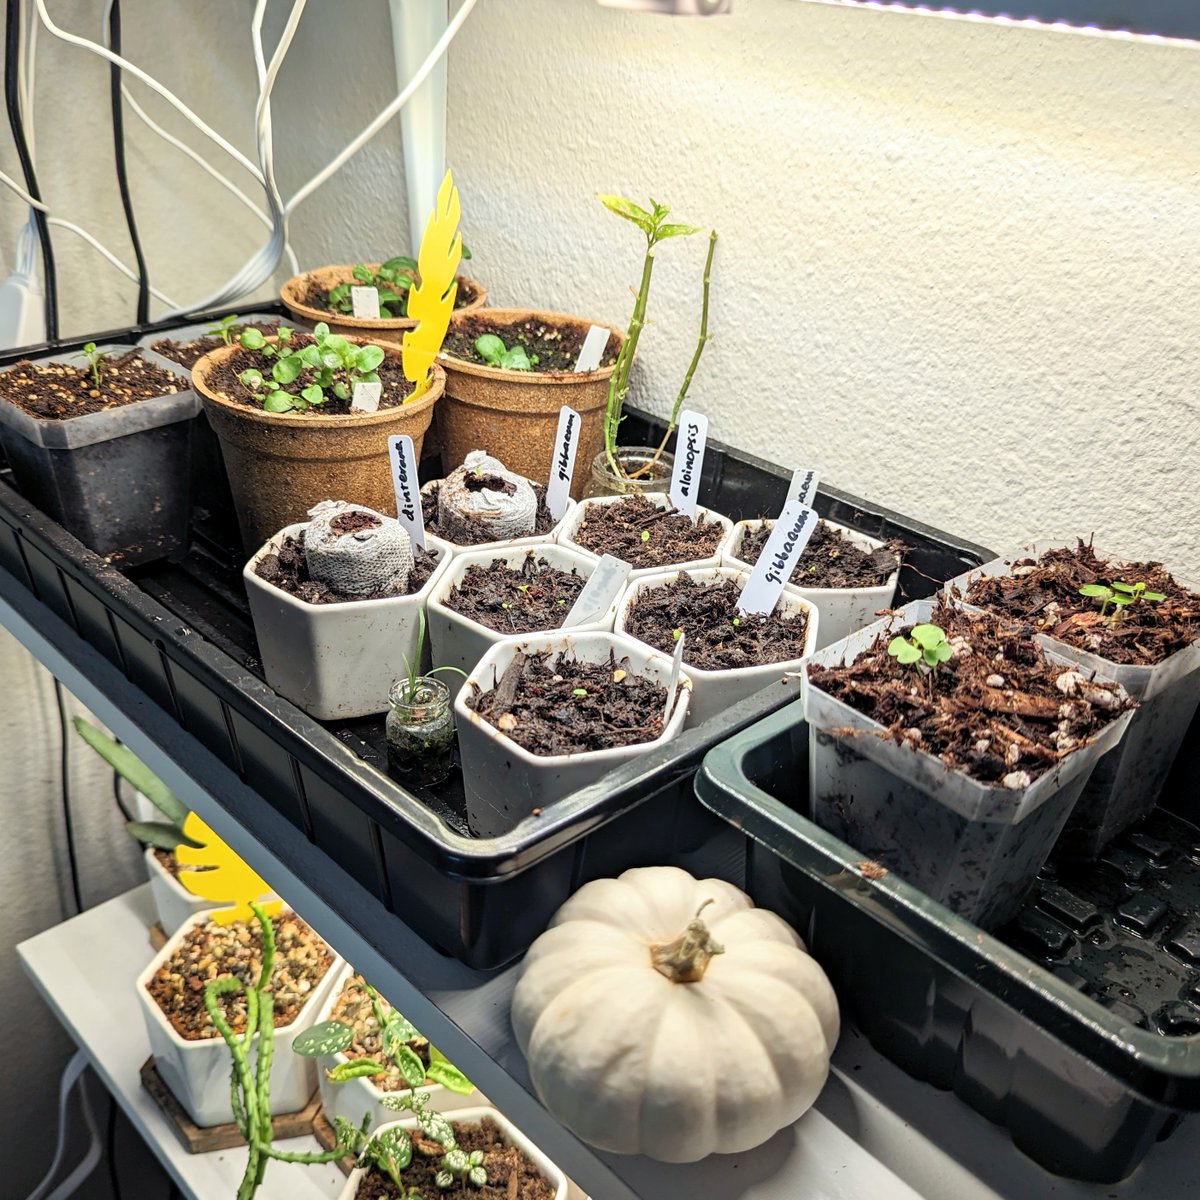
(420, 731)
(602, 481)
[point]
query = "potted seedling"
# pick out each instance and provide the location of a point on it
(1132, 622)
(337, 604)
(543, 715)
(847, 575)
(950, 747)
(646, 531)
(186, 345)
(618, 469)
(366, 1051)
(327, 295)
(99, 442)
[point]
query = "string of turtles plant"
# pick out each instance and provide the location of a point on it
(1120, 596)
(653, 223)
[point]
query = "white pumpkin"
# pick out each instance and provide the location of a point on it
(666, 1015)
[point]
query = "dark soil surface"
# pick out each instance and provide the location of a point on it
(521, 599)
(556, 346)
(996, 710)
(186, 354)
(318, 297)
(59, 391)
(288, 571)
(211, 950)
(168, 861)
(551, 704)
(543, 522)
(1045, 592)
(644, 535)
(511, 1176)
(718, 637)
(223, 380)
(354, 1006)
(830, 560)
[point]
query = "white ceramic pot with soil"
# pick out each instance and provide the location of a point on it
(647, 614)
(334, 659)
(172, 901)
(103, 449)
(834, 552)
(197, 1069)
(1152, 650)
(649, 533)
(352, 1098)
(556, 1181)
(532, 592)
(482, 505)
(959, 778)
(514, 688)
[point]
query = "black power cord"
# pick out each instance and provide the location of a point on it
(12, 43)
(110, 1151)
(65, 769)
(118, 798)
(118, 124)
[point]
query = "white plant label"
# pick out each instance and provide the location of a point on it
(803, 486)
(566, 442)
(403, 458)
(774, 567)
(592, 350)
(365, 303)
(673, 685)
(367, 396)
(593, 603)
(689, 459)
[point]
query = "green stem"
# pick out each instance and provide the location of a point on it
(226, 985)
(266, 1037)
(618, 384)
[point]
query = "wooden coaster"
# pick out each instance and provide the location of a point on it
(323, 1132)
(158, 939)
(198, 1139)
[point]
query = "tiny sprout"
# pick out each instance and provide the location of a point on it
(1119, 595)
(522, 587)
(223, 329)
(737, 620)
(495, 353)
(579, 691)
(96, 359)
(925, 644)
(645, 535)
(562, 602)
(676, 634)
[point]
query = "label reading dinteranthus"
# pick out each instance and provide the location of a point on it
(403, 459)
(774, 567)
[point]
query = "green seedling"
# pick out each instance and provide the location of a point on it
(393, 281)
(926, 644)
(493, 351)
(223, 329)
(329, 366)
(1120, 596)
(96, 360)
(412, 667)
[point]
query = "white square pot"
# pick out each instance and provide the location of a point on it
(714, 691)
(843, 610)
(534, 539)
(458, 641)
(511, 1134)
(172, 901)
(197, 1072)
(335, 661)
(351, 1099)
(503, 781)
(572, 521)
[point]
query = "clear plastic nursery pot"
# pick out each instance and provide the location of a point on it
(714, 691)
(335, 660)
(843, 610)
(354, 1097)
(572, 521)
(459, 641)
(503, 544)
(512, 1135)
(503, 781)
(197, 1072)
(116, 479)
(976, 847)
(1126, 783)
(202, 329)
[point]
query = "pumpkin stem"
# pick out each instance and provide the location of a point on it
(686, 958)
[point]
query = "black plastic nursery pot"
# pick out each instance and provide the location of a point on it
(181, 631)
(1074, 1027)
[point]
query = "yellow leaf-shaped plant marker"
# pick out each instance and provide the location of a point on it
(431, 300)
(230, 881)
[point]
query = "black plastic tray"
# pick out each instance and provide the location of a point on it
(1050, 1027)
(180, 630)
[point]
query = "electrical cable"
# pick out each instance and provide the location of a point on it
(110, 1149)
(119, 798)
(74, 1069)
(118, 127)
(12, 101)
(65, 780)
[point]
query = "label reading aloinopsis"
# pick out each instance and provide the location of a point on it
(792, 530)
(403, 459)
(689, 460)
(803, 486)
(364, 303)
(562, 466)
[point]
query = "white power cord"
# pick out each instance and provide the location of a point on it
(74, 1069)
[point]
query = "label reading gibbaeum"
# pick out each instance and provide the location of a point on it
(803, 486)
(786, 543)
(566, 442)
(403, 459)
(592, 604)
(592, 350)
(367, 396)
(365, 303)
(689, 459)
